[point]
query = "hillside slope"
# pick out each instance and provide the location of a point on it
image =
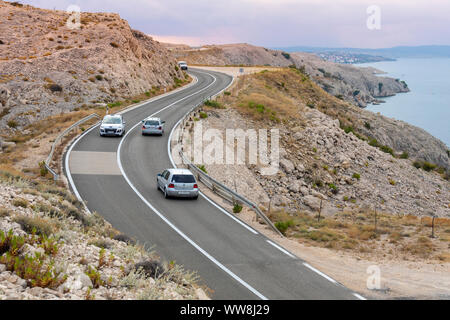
(48, 68)
(325, 154)
(359, 86)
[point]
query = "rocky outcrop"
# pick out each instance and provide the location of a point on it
(48, 68)
(404, 137)
(359, 86)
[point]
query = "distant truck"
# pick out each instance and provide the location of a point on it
(183, 65)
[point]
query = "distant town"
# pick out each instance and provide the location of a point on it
(350, 58)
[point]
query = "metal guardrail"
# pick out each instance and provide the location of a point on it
(47, 161)
(217, 187)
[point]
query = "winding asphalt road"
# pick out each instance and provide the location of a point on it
(116, 177)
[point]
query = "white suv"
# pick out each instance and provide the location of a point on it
(112, 125)
(177, 183)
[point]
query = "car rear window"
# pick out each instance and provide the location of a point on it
(152, 123)
(183, 178)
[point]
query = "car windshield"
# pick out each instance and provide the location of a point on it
(152, 123)
(111, 120)
(183, 178)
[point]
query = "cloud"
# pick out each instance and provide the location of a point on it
(280, 22)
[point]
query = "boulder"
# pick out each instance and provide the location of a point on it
(287, 165)
(312, 202)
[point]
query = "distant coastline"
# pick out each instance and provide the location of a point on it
(427, 105)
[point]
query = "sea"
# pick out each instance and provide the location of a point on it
(427, 105)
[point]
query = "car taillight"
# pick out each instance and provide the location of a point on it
(171, 185)
(143, 127)
(195, 186)
(159, 128)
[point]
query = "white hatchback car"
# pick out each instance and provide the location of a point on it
(152, 126)
(177, 183)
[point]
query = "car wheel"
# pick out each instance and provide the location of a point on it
(195, 198)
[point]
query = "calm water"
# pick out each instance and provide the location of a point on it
(428, 104)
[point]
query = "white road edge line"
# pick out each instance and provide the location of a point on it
(359, 296)
(206, 254)
(281, 249)
(319, 272)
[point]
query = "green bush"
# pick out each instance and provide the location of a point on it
(43, 169)
(282, 226)
(356, 176)
(387, 149)
(34, 270)
(427, 166)
(95, 277)
(203, 115)
(286, 55)
(404, 155)
(237, 208)
(202, 167)
(213, 103)
(333, 188)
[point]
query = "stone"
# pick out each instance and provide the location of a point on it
(294, 186)
(312, 202)
(2, 268)
(30, 251)
(286, 165)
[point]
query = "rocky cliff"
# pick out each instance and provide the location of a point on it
(47, 68)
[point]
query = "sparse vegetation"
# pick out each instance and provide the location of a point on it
(202, 167)
(356, 231)
(237, 208)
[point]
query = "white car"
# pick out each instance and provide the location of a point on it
(177, 183)
(183, 65)
(153, 126)
(112, 125)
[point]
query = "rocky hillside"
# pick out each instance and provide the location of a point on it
(359, 86)
(47, 68)
(50, 248)
(323, 158)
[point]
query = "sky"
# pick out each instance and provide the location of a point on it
(280, 23)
